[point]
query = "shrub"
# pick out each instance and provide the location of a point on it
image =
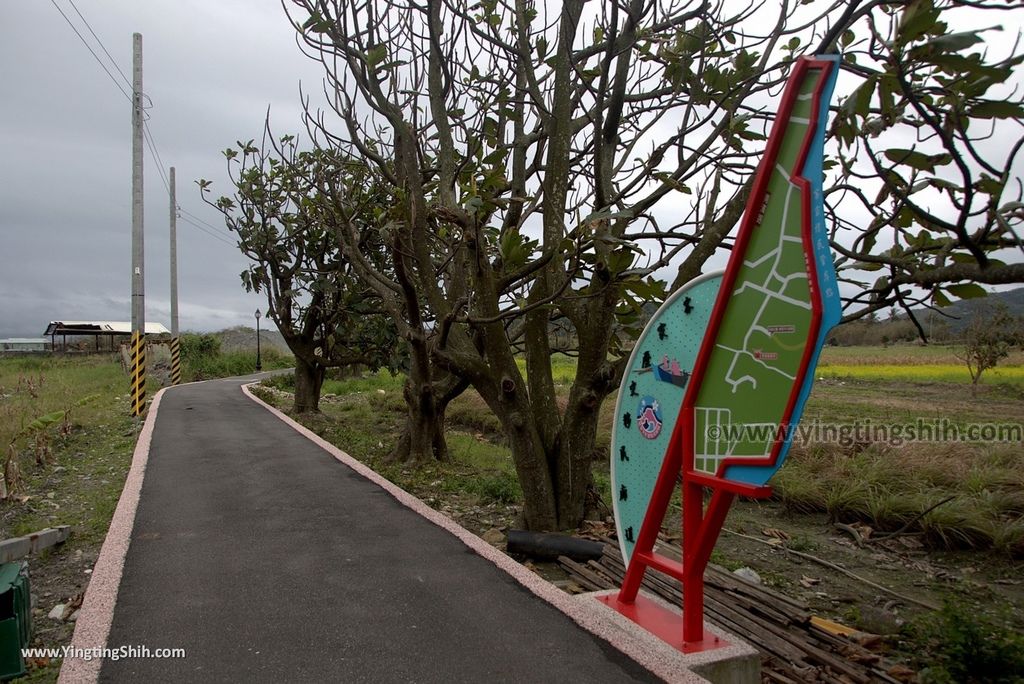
(960, 644)
(501, 488)
(197, 345)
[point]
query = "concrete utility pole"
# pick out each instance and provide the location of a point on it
(138, 342)
(174, 259)
(175, 343)
(138, 280)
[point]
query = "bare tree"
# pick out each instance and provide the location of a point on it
(543, 162)
(525, 148)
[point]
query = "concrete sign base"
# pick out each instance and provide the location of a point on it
(726, 659)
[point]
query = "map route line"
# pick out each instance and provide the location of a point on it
(773, 295)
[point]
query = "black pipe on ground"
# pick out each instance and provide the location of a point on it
(547, 546)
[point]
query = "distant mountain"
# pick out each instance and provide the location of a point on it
(243, 338)
(962, 312)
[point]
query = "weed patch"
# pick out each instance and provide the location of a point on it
(78, 482)
(961, 644)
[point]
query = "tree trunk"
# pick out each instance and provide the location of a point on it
(540, 509)
(426, 400)
(576, 456)
(309, 378)
(505, 394)
(423, 437)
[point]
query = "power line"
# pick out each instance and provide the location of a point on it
(150, 140)
(91, 51)
(104, 47)
(151, 143)
(215, 236)
(189, 217)
(200, 220)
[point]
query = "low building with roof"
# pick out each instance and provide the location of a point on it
(97, 335)
(25, 344)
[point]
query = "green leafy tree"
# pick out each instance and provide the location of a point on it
(327, 317)
(987, 340)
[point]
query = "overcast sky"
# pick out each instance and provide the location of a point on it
(210, 69)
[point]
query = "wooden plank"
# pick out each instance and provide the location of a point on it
(780, 627)
(589, 579)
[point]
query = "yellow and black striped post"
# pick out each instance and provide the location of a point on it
(175, 361)
(138, 374)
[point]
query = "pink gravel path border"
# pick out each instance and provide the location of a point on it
(97, 614)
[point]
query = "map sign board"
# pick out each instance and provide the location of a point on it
(713, 392)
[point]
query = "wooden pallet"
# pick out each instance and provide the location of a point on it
(793, 648)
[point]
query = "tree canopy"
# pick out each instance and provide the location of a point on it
(487, 170)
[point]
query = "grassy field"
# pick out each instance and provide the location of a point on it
(924, 456)
(913, 363)
(64, 423)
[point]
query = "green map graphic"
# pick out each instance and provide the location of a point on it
(767, 322)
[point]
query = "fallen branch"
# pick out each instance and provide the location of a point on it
(833, 566)
(861, 539)
(913, 520)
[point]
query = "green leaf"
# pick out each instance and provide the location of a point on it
(989, 185)
(940, 298)
(997, 110)
(44, 421)
(859, 101)
(619, 260)
(919, 19)
(951, 42)
(316, 24)
(917, 160)
(376, 55)
(967, 290)
(542, 47)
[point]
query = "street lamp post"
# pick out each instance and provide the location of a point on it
(259, 366)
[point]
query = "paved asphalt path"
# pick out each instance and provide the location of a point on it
(268, 560)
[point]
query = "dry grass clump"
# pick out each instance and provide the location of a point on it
(955, 495)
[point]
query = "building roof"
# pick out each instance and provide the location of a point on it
(101, 328)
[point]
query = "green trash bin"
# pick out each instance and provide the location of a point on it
(15, 618)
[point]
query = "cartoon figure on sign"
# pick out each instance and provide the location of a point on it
(648, 417)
